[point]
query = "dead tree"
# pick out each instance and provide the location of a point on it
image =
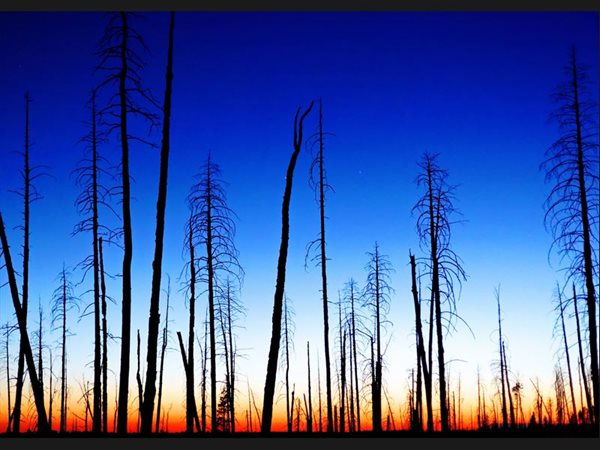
(351, 295)
(508, 388)
(571, 166)
(63, 301)
(8, 329)
(269, 391)
(122, 63)
(318, 182)
(288, 345)
(163, 349)
(342, 342)
(588, 397)
(213, 230)
(93, 195)
(204, 368)
(29, 195)
(377, 299)
(501, 356)
(161, 204)
(422, 364)
(436, 213)
(104, 364)
(186, 368)
(566, 350)
(309, 417)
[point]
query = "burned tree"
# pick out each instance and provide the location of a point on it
(161, 204)
(121, 61)
(163, 349)
(63, 301)
(318, 182)
(353, 322)
(213, 231)
(501, 356)
(93, 195)
(443, 267)
(288, 345)
(376, 298)
(271, 375)
(571, 167)
(561, 314)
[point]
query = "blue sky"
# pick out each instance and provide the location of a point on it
(473, 87)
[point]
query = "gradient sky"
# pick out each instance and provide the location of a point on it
(473, 87)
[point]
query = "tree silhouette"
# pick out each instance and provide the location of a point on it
(25, 344)
(63, 301)
(93, 195)
(584, 377)
(161, 204)
(443, 267)
(269, 391)
(318, 182)
(376, 298)
(288, 345)
(163, 349)
(213, 230)
(563, 331)
(120, 60)
(571, 166)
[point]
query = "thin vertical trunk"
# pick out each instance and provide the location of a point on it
(501, 347)
(204, 366)
(324, 266)
(40, 348)
(97, 402)
(104, 339)
(161, 204)
(163, 349)
(319, 389)
(510, 402)
(50, 393)
(588, 268)
(288, 407)
(581, 359)
(127, 235)
(231, 384)
(269, 391)
(342, 371)
(190, 401)
(420, 346)
(564, 333)
(351, 417)
(25, 287)
(354, 355)
(63, 378)
(478, 400)
(186, 368)
(138, 378)
(377, 399)
(8, 412)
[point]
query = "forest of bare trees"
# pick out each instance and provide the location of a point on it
(337, 383)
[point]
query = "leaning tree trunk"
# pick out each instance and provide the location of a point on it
(38, 393)
(161, 204)
(269, 391)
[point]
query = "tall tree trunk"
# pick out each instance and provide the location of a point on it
(163, 349)
(40, 348)
(97, 402)
(232, 358)
(186, 368)
(342, 371)
(355, 357)
(324, 267)
(420, 344)
(63, 369)
(38, 393)
(25, 286)
(8, 412)
(122, 418)
(378, 381)
(269, 391)
(204, 365)
(588, 268)
(161, 204)
(190, 402)
(582, 360)
(510, 402)
(288, 407)
(568, 358)
(309, 418)
(104, 338)
(319, 393)
(50, 393)
(138, 379)
(501, 350)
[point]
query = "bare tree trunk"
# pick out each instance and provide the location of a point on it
(104, 339)
(25, 286)
(232, 359)
(342, 371)
(186, 368)
(38, 393)
(319, 389)
(420, 347)
(581, 359)
(161, 204)
(163, 349)
(50, 393)
(127, 236)
(501, 350)
(8, 412)
(40, 348)
(204, 366)
(63, 378)
(288, 407)
(588, 268)
(510, 402)
(138, 378)
(564, 333)
(271, 376)
(309, 424)
(190, 402)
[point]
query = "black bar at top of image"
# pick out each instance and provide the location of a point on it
(301, 5)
